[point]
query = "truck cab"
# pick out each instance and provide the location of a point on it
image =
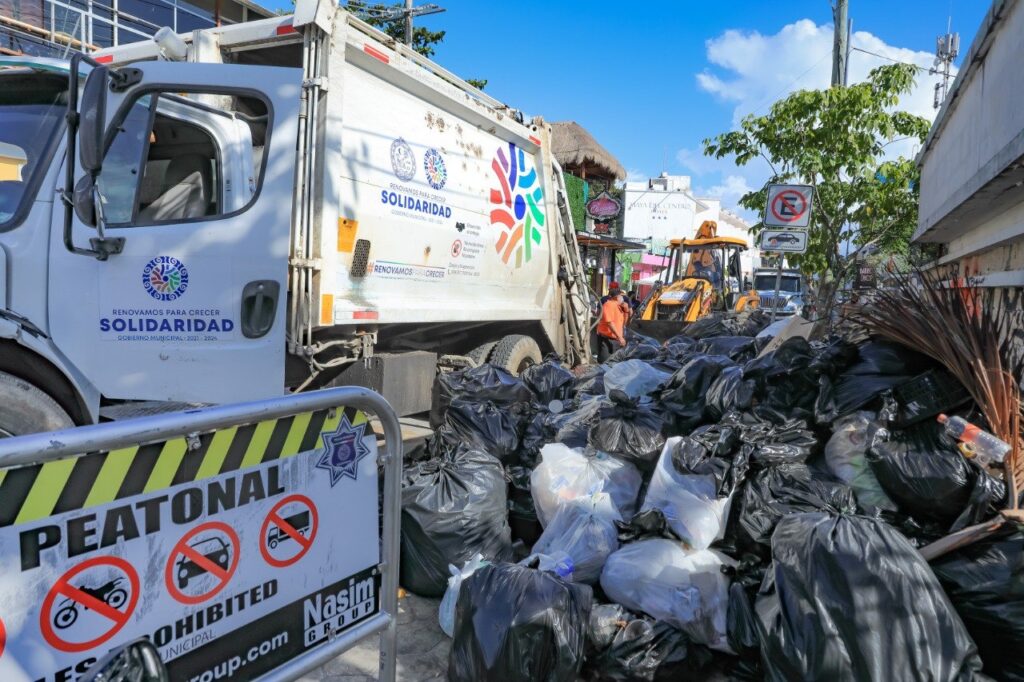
(792, 296)
(229, 216)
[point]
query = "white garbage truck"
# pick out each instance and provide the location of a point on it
(267, 207)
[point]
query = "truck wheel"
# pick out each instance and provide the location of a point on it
(26, 409)
(515, 353)
(480, 354)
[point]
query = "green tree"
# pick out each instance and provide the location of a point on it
(836, 140)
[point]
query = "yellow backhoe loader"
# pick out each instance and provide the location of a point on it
(710, 281)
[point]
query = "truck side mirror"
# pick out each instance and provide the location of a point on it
(93, 117)
(84, 201)
(137, 661)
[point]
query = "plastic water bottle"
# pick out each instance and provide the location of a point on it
(987, 448)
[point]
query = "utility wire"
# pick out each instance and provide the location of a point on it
(897, 61)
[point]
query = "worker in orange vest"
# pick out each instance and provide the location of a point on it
(611, 329)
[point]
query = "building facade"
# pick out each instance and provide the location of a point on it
(55, 28)
(665, 208)
(972, 162)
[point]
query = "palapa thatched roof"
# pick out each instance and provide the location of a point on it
(574, 147)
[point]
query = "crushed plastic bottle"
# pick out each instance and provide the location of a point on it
(986, 448)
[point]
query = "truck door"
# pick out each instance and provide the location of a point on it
(197, 178)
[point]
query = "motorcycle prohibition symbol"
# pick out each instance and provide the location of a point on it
(108, 593)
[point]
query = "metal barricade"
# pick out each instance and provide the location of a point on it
(148, 528)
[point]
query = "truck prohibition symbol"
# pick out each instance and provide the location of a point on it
(213, 239)
(299, 521)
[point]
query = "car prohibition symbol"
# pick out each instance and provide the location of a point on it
(214, 549)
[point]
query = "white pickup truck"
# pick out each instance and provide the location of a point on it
(267, 207)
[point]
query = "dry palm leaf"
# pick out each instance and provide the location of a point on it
(975, 333)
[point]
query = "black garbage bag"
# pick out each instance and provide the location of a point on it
(681, 341)
(537, 432)
(741, 624)
(628, 428)
(643, 526)
(452, 508)
(522, 514)
(486, 426)
(573, 428)
(606, 621)
(884, 357)
(478, 384)
(792, 356)
(675, 354)
(715, 324)
(736, 348)
(848, 393)
(720, 440)
(833, 357)
(690, 457)
(985, 582)
(685, 393)
(647, 650)
(778, 491)
(927, 478)
(635, 351)
(772, 442)
(848, 598)
(514, 623)
(549, 380)
(729, 391)
(591, 382)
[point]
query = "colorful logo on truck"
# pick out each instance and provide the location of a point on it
(165, 278)
(433, 166)
(517, 205)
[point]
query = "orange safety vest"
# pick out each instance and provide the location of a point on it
(613, 319)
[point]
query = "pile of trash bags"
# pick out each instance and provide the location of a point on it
(718, 505)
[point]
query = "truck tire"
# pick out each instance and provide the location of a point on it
(480, 354)
(26, 409)
(515, 353)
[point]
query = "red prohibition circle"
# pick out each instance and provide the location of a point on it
(62, 587)
(184, 549)
(456, 248)
(304, 542)
(786, 198)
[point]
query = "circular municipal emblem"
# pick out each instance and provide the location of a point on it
(433, 164)
(165, 278)
(403, 162)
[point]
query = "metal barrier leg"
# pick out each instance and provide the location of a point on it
(390, 547)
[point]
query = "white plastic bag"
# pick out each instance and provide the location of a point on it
(690, 504)
(585, 530)
(565, 474)
(685, 588)
(446, 612)
(634, 377)
(844, 454)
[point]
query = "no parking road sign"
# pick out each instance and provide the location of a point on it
(788, 206)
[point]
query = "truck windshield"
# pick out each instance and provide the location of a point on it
(767, 283)
(32, 108)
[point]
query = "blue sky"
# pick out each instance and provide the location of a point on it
(651, 83)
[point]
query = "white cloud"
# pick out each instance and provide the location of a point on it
(729, 190)
(751, 70)
(754, 70)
